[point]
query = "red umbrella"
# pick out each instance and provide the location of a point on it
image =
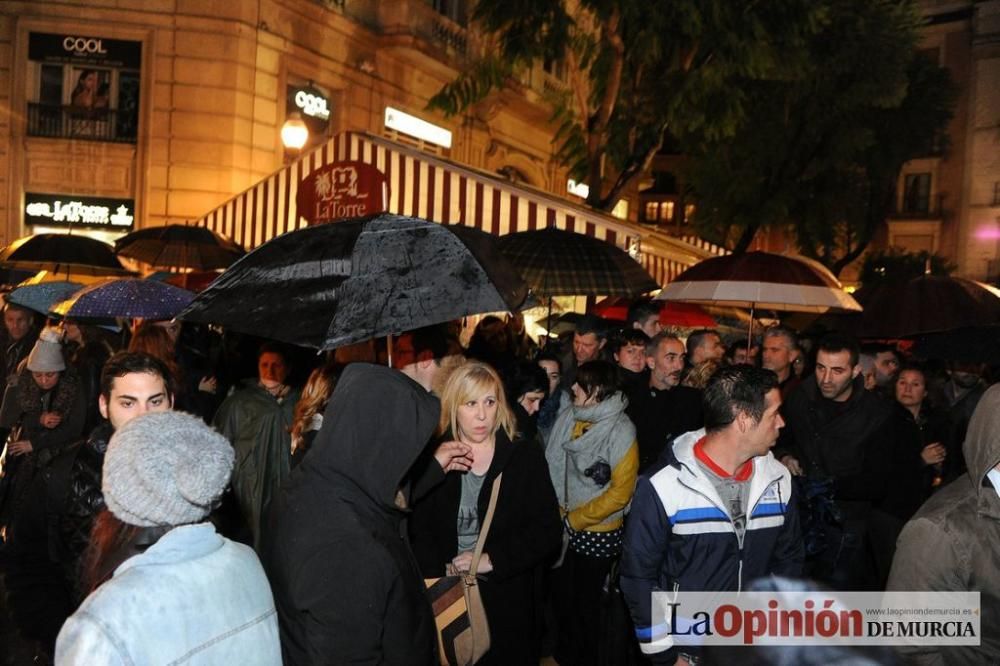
(682, 315)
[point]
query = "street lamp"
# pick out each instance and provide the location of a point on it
(294, 133)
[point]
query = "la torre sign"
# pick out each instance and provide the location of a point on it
(57, 210)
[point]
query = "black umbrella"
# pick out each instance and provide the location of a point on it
(334, 284)
(920, 305)
(179, 245)
(61, 253)
(968, 344)
(563, 263)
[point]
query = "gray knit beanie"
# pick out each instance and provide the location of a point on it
(47, 355)
(165, 469)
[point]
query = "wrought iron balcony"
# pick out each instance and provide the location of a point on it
(72, 122)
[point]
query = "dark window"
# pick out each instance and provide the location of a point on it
(50, 90)
(917, 193)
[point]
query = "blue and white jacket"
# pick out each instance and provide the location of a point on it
(679, 536)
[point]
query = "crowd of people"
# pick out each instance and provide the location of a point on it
(174, 495)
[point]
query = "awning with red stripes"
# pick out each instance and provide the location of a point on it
(433, 188)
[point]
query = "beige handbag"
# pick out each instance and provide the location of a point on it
(462, 627)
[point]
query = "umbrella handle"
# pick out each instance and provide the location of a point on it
(750, 329)
(388, 348)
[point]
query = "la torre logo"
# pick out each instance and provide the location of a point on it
(312, 105)
(84, 45)
(94, 213)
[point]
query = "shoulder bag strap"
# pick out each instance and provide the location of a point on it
(484, 530)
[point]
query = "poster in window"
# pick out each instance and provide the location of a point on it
(92, 88)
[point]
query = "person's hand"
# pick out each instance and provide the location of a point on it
(19, 447)
(792, 463)
(50, 419)
(463, 562)
(454, 456)
(208, 385)
(933, 453)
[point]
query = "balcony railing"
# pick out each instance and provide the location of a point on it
(931, 209)
(72, 122)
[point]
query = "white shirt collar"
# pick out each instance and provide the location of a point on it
(994, 476)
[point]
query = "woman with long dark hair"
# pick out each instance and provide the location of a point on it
(525, 530)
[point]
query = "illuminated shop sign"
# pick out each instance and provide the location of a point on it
(57, 210)
(416, 127)
(314, 106)
(84, 49)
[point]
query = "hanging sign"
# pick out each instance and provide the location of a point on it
(342, 190)
(62, 210)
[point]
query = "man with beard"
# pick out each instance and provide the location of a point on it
(838, 433)
(665, 409)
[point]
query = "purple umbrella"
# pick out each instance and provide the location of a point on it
(127, 297)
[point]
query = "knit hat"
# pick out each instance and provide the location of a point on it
(165, 469)
(46, 355)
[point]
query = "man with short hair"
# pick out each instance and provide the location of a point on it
(841, 434)
(20, 333)
(589, 339)
(723, 513)
(777, 354)
(665, 409)
(257, 419)
(44, 567)
(886, 366)
(418, 354)
(645, 315)
(705, 345)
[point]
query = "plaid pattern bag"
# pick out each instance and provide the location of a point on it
(462, 626)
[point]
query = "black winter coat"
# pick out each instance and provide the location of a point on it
(525, 532)
(345, 582)
(659, 418)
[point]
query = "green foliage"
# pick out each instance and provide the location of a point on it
(643, 69)
(820, 148)
(897, 265)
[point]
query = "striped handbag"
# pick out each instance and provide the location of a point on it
(463, 630)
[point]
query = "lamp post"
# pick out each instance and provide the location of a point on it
(294, 134)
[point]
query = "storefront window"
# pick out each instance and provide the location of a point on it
(83, 87)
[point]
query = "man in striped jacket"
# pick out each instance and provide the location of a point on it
(720, 516)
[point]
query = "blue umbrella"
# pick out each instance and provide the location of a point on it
(42, 296)
(126, 297)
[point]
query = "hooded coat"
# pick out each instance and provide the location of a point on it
(258, 426)
(346, 584)
(953, 540)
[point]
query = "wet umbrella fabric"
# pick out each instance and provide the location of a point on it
(178, 245)
(968, 344)
(61, 253)
(760, 280)
(42, 296)
(334, 284)
(127, 297)
(923, 304)
(563, 263)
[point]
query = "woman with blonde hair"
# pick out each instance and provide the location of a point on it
(308, 416)
(525, 530)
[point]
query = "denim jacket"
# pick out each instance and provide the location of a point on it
(193, 598)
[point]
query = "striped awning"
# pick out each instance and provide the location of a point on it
(433, 188)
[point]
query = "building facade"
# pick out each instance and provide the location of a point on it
(949, 202)
(130, 113)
